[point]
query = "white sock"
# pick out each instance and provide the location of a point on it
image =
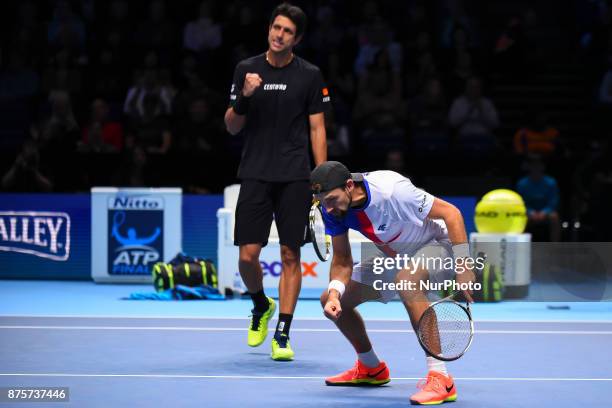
(369, 359)
(436, 365)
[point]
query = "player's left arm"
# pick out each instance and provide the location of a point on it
(443, 210)
(318, 101)
(318, 137)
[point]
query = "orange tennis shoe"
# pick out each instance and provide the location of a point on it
(435, 389)
(361, 375)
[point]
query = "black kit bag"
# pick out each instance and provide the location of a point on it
(184, 270)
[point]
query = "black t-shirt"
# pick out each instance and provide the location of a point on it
(277, 130)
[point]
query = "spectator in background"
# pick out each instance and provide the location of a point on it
(19, 80)
(428, 119)
(26, 32)
(461, 71)
(338, 136)
(62, 74)
(133, 169)
(377, 39)
(378, 109)
(148, 85)
(414, 21)
(421, 64)
(509, 50)
(101, 135)
(340, 80)
(328, 36)
(200, 149)
(458, 19)
(474, 117)
(592, 191)
(200, 134)
(66, 29)
(605, 89)
(194, 88)
(107, 79)
(202, 34)
(538, 137)
(118, 22)
(114, 37)
(239, 34)
(541, 195)
(60, 132)
(396, 162)
(25, 174)
(149, 128)
(158, 31)
(57, 138)
(460, 42)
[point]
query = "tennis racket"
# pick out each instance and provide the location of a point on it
(446, 329)
(320, 240)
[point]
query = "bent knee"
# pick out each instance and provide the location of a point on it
(406, 275)
(248, 260)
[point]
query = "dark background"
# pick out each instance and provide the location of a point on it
(394, 69)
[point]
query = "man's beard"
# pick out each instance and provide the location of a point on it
(340, 215)
(343, 213)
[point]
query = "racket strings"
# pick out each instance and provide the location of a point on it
(445, 330)
(319, 230)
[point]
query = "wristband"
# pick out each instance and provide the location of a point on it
(461, 250)
(336, 285)
(241, 106)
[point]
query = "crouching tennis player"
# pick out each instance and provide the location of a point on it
(399, 219)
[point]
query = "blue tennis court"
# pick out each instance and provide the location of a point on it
(112, 352)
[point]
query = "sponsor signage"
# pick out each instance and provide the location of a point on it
(132, 230)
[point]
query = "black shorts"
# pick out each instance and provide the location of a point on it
(259, 201)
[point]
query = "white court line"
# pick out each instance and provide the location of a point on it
(265, 377)
(322, 318)
(222, 329)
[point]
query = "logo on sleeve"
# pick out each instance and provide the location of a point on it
(275, 87)
(382, 227)
(325, 95)
(422, 203)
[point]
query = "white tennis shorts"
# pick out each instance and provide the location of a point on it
(439, 271)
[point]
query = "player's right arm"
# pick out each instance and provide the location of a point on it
(341, 270)
(243, 88)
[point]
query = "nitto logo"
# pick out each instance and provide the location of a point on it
(135, 203)
(42, 234)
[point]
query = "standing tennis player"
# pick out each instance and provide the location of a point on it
(399, 218)
(277, 101)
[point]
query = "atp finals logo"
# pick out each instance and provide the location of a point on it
(135, 241)
(42, 234)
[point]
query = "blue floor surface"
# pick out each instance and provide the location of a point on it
(82, 298)
(194, 354)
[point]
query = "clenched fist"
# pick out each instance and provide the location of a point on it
(251, 83)
(332, 309)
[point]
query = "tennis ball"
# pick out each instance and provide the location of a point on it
(501, 211)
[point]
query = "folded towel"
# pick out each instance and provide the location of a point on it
(180, 292)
